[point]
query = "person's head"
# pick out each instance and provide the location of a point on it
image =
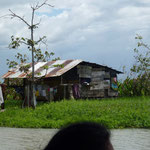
(81, 136)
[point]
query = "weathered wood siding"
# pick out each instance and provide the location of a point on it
(100, 85)
(84, 71)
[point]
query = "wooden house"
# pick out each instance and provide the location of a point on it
(65, 79)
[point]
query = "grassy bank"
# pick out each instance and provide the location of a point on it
(114, 113)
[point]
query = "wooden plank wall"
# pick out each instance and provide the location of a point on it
(99, 86)
(97, 79)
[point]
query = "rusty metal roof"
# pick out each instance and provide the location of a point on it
(54, 69)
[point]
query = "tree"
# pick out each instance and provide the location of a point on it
(142, 59)
(142, 66)
(138, 83)
(32, 45)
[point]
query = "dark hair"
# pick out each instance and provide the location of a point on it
(80, 136)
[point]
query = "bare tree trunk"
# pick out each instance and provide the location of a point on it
(33, 100)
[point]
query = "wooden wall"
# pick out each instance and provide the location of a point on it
(100, 85)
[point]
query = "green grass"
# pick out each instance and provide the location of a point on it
(113, 113)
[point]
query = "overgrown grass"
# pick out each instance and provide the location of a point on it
(113, 113)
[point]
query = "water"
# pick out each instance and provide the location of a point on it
(131, 139)
(24, 139)
(36, 139)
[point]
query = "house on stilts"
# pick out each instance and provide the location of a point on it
(66, 79)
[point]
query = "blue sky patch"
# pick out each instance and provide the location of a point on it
(54, 12)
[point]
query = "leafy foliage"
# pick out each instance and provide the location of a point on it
(113, 113)
(134, 87)
(138, 83)
(39, 56)
(11, 94)
(142, 59)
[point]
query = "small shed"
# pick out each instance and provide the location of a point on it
(65, 79)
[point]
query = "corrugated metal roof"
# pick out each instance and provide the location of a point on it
(52, 70)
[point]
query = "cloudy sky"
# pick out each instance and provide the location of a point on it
(100, 31)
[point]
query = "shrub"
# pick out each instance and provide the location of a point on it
(10, 94)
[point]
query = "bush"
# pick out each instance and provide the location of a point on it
(139, 86)
(11, 94)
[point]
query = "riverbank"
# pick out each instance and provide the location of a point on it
(113, 113)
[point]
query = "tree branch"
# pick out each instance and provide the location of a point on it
(13, 15)
(24, 42)
(41, 39)
(39, 6)
(4, 16)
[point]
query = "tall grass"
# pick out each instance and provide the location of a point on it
(114, 113)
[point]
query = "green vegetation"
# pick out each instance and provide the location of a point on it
(114, 113)
(134, 87)
(138, 82)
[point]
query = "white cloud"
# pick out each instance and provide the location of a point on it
(94, 30)
(132, 18)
